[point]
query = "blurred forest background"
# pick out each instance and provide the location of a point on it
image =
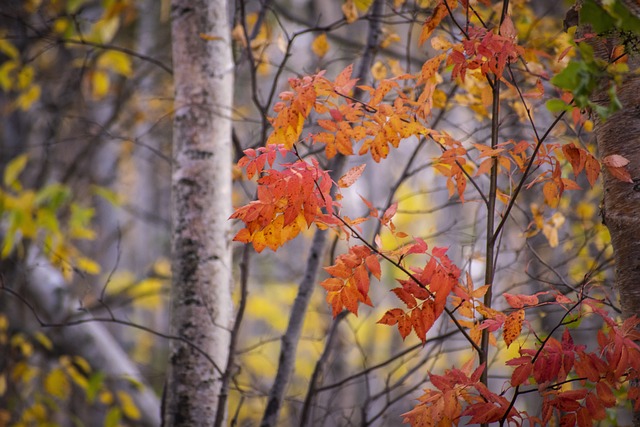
(86, 95)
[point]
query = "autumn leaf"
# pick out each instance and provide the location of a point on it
(350, 11)
(320, 45)
(616, 164)
(592, 168)
(513, 326)
(351, 176)
(438, 14)
(507, 28)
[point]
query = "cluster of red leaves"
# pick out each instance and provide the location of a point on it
(550, 369)
(288, 200)
(458, 393)
(485, 50)
(424, 293)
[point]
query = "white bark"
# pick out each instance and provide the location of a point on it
(201, 184)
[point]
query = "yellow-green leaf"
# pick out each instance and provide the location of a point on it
(57, 384)
(88, 265)
(113, 417)
(129, 408)
(13, 170)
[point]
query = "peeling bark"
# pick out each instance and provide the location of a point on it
(201, 206)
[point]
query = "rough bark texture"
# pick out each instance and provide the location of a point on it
(620, 134)
(201, 185)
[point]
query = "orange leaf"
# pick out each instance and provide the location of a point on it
(430, 67)
(438, 14)
(592, 168)
(373, 264)
(391, 317)
(351, 176)
(513, 326)
(551, 193)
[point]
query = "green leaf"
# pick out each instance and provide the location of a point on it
(628, 20)
(54, 195)
(95, 384)
(593, 14)
(113, 417)
(568, 78)
(557, 105)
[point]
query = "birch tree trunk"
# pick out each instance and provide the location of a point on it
(201, 187)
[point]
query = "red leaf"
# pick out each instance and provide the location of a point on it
(621, 174)
(575, 156)
(595, 407)
(605, 394)
(439, 252)
(514, 300)
(521, 374)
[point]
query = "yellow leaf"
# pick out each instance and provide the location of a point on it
(118, 62)
(57, 384)
(363, 5)
(129, 408)
(350, 11)
(25, 77)
(7, 75)
(82, 364)
(147, 293)
(379, 71)
(3, 384)
(43, 340)
(162, 267)
(88, 265)
(106, 398)
(320, 46)
(28, 97)
(100, 84)
(13, 170)
(8, 48)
